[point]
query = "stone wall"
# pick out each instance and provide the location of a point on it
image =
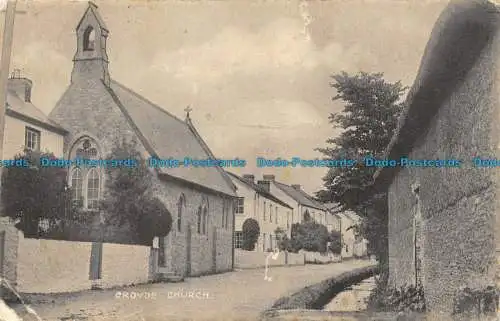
(458, 205)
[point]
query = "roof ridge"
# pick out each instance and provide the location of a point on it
(258, 188)
(302, 193)
(147, 101)
(205, 147)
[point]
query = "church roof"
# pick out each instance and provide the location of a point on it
(300, 196)
(92, 9)
(169, 137)
(260, 190)
(457, 40)
(19, 108)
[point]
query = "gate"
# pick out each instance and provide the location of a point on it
(188, 250)
(95, 261)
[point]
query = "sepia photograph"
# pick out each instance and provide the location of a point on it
(256, 160)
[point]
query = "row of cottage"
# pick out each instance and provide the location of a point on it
(208, 205)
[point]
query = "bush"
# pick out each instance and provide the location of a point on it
(309, 236)
(477, 302)
(250, 234)
(406, 298)
(335, 240)
(155, 222)
(32, 193)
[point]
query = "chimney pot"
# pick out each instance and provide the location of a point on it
(265, 185)
(22, 86)
(249, 177)
(296, 186)
(268, 177)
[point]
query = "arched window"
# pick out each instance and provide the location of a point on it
(77, 186)
(89, 39)
(180, 207)
(86, 181)
(224, 209)
(93, 184)
(307, 216)
(198, 218)
(205, 220)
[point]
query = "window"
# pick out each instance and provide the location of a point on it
(180, 207)
(85, 181)
(276, 215)
(198, 217)
(76, 186)
(240, 205)
(89, 39)
(32, 139)
(224, 213)
(93, 189)
(288, 219)
(263, 242)
(205, 220)
(264, 211)
(228, 214)
(238, 240)
(270, 213)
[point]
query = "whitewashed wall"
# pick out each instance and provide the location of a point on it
(50, 266)
(254, 259)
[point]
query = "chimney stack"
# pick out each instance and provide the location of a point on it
(296, 186)
(249, 178)
(265, 185)
(22, 86)
(268, 178)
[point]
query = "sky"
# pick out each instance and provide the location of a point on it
(256, 74)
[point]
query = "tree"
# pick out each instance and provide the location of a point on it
(34, 192)
(128, 197)
(309, 236)
(368, 121)
(250, 234)
(156, 221)
(282, 239)
(367, 124)
(335, 239)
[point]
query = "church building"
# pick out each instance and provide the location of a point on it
(97, 111)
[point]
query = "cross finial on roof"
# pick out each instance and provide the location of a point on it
(187, 110)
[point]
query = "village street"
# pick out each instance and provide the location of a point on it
(239, 295)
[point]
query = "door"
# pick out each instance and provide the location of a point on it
(214, 249)
(188, 250)
(95, 261)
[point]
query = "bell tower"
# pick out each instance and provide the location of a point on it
(91, 60)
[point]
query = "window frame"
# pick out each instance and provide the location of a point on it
(37, 133)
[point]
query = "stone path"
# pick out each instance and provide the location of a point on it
(240, 295)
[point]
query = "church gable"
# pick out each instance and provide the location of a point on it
(108, 110)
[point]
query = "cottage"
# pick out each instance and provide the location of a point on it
(443, 221)
(256, 202)
(26, 126)
(97, 110)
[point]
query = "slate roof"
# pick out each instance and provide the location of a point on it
(259, 189)
(300, 196)
(17, 107)
(93, 10)
(169, 137)
(457, 40)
